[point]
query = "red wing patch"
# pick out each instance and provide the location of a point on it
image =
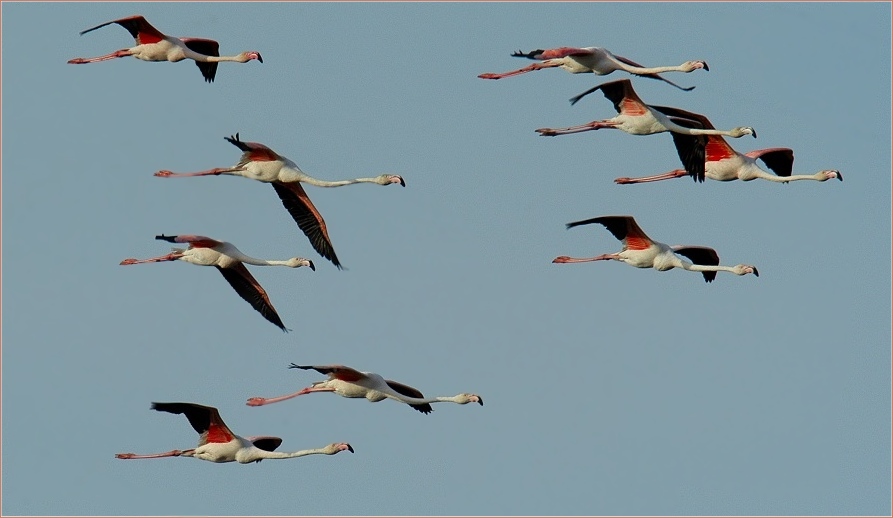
(718, 149)
(218, 434)
(262, 155)
(563, 52)
(631, 107)
(637, 243)
(201, 243)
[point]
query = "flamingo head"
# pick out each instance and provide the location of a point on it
(249, 55)
(387, 179)
(743, 130)
(828, 174)
(694, 65)
(337, 447)
(297, 262)
(464, 399)
(744, 269)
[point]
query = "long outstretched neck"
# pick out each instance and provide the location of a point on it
(260, 401)
(677, 173)
(289, 455)
(261, 262)
(821, 176)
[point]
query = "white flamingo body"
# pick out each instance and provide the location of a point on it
(261, 163)
(723, 163)
(643, 252)
(637, 118)
(595, 60)
(351, 383)
(230, 262)
(153, 45)
(217, 443)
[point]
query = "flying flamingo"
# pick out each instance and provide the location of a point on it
(351, 383)
(263, 164)
(229, 261)
(725, 164)
(641, 251)
(153, 45)
(219, 444)
(637, 118)
(597, 60)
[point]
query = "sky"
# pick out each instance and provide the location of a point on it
(608, 389)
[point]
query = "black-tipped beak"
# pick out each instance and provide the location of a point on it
(402, 183)
(480, 401)
(839, 176)
(754, 133)
(756, 273)
(705, 66)
(350, 448)
(260, 58)
(312, 267)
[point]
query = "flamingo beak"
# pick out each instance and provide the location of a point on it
(755, 272)
(350, 448)
(705, 66)
(260, 59)
(310, 264)
(480, 401)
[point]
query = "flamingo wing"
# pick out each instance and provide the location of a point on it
(560, 52)
(204, 419)
(265, 442)
(141, 30)
(309, 220)
(691, 149)
(194, 241)
(702, 255)
(408, 391)
(716, 147)
(340, 372)
(779, 159)
(618, 92)
(251, 291)
(208, 48)
(623, 228)
(651, 76)
(254, 151)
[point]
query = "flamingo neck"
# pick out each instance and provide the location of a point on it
(336, 183)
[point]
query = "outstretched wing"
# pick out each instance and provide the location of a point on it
(193, 240)
(208, 48)
(618, 92)
(253, 151)
(251, 291)
(408, 391)
(702, 255)
(779, 159)
(623, 228)
(141, 30)
(691, 149)
(340, 372)
(204, 419)
(309, 220)
(265, 442)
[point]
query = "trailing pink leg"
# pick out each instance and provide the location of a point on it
(261, 401)
(173, 256)
(209, 172)
(677, 173)
(565, 259)
(529, 68)
(589, 126)
(123, 53)
(172, 453)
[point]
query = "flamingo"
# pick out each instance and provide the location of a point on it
(637, 118)
(725, 164)
(230, 261)
(263, 164)
(351, 383)
(641, 251)
(153, 45)
(219, 444)
(597, 60)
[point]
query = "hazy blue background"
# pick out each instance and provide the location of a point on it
(609, 390)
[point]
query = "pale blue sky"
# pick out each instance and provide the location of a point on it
(609, 390)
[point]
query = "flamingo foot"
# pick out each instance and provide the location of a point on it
(77, 61)
(123, 455)
(482, 76)
(256, 401)
(163, 174)
(129, 261)
(623, 181)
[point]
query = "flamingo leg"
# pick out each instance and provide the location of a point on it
(565, 259)
(260, 401)
(216, 171)
(173, 256)
(529, 68)
(123, 53)
(589, 126)
(676, 173)
(172, 453)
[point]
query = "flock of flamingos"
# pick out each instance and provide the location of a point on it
(701, 149)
